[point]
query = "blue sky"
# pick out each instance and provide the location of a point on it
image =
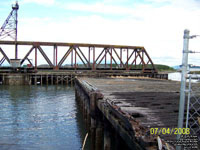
(155, 24)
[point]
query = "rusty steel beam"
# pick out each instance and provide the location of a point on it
(55, 55)
(112, 58)
(99, 55)
(105, 59)
(2, 60)
(4, 54)
(26, 56)
(149, 58)
(45, 56)
(29, 61)
(67, 44)
(120, 59)
(65, 56)
(72, 57)
(35, 58)
(134, 60)
(102, 57)
(93, 66)
(84, 57)
(128, 58)
(80, 58)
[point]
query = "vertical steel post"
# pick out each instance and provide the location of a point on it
(105, 58)
(35, 58)
(56, 56)
(143, 60)
(135, 58)
(72, 58)
(121, 57)
(75, 65)
(110, 58)
(54, 53)
(93, 58)
(127, 59)
(183, 81)
(89, 55)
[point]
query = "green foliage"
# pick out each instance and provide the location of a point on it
(163, 67)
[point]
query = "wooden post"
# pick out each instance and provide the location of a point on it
(93, 132)
(35, 80)
(107, 136)
(57, 79)
(46, 79)
(71, 80)
(67, 80)
(99, 132)
(3, 79)
(51, 79)
(40, 79)
(62, 79)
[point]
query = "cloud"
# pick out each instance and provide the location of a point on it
(41, 2)
(159, 28)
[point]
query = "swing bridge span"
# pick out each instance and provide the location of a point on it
(99, 57)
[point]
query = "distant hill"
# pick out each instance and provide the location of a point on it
(164, 67)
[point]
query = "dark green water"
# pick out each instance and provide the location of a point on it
(40, 118)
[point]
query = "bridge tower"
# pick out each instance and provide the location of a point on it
(9, 28)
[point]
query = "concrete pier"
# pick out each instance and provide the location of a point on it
(123, 111)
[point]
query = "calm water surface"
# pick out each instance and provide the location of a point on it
(39, 118)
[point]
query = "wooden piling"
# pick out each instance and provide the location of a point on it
(3, 79)
(107, 136)
(99, 134)
(40, 79)
(67, 80)
(93, 132)
(35, 80)
(62, 79)
(71, 80)
(51, 79)
(46, 79)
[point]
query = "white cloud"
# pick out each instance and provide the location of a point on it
(41, 2)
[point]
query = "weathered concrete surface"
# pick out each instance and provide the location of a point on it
(133, 106)
(15, 79)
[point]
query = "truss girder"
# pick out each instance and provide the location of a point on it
(89, 56)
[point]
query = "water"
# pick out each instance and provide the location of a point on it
(39, 118)
(176, 76)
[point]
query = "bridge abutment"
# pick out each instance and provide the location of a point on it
(14, 79)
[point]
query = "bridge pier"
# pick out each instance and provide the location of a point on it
(14, 79)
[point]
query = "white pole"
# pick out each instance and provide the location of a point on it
(188, 103)
(183, 81)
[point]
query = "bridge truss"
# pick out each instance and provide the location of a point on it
(78, 56)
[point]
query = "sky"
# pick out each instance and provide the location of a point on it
(158, 25)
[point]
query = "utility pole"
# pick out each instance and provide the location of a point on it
(183, 82)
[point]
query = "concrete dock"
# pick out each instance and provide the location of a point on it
(130, 107)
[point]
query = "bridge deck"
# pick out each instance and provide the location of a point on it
(152, 103)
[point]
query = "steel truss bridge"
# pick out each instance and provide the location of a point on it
(81, 56)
